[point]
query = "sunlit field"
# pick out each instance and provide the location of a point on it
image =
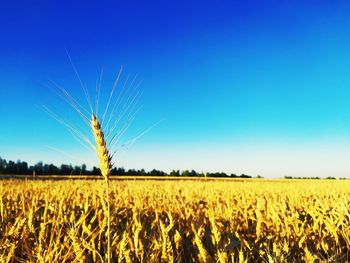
(176, 221)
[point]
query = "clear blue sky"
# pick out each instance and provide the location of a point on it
(257, 87)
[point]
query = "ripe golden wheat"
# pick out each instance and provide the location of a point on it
(170, 221)
(176, 221)
(105, 166)
(104, 157)
(117, 110)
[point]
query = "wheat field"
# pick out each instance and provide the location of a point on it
(175, 221)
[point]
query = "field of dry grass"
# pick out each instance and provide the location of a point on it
(175, 221)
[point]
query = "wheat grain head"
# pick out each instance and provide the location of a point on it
(105, 160)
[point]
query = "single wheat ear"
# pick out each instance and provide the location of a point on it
(105, 166)
(103, 154)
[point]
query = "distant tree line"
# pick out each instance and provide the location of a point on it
(315, 178)
(22, 168)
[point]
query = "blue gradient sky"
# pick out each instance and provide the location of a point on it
(257, 87)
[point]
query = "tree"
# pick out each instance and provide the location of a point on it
(39, 168)
(185, 173)
(11, 167)
(95, 171)
(175, 173)
(3, 165)
(83, 169)
(67, 169)
(77, 170)
(156, 172)
(22, 167)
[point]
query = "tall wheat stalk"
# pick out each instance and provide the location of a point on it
(118, 114)
(105, 166)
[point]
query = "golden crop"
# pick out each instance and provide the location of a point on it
(176, 221)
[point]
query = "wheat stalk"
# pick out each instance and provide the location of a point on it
(78, 250)
(105, 165)
(118, 114)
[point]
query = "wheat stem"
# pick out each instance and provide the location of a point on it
(105, 167)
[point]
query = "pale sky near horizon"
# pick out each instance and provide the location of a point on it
(254, 87)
